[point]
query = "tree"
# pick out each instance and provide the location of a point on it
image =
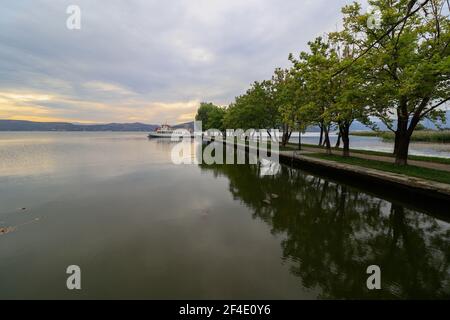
(253, 110)
(410, 64)
(211, 116)
(284, 97)
(350, 102)
(319, 89)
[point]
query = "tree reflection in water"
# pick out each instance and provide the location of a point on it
(333, 232)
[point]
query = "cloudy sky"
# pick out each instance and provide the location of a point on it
(144, 60)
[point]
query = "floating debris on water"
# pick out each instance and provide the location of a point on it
(6, 230)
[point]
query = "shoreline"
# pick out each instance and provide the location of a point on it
(430, 196)
(425, 136)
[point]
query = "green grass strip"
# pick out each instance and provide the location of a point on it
(412, 171)
(378, 153)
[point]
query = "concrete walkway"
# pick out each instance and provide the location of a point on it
(423, 164)
(412, 186)
(432, 188)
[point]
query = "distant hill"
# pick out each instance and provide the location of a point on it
(187, 125)
(428, 124)
(357, 126)
(21, 125)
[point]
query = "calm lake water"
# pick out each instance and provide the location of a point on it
(142, 227)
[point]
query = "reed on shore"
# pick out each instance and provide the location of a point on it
(442, 136)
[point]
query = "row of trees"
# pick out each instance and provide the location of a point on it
(396, 70)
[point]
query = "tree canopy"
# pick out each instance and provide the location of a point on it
(211, 116)
(397, 70)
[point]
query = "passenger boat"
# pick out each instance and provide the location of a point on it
(166, 131)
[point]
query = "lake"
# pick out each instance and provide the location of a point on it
(141, 227)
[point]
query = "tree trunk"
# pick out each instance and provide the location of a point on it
(402, 139)
(404, 132)
(401, 157)
(402, 123)
(327, 140)
(321, 134)
(396, 144)
(338, 142)
(300, 140)
(345, 132)
(286, 135)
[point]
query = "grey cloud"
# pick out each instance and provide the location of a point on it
(159, 51)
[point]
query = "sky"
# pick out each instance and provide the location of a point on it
(143, 60)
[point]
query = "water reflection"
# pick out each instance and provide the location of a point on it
(333, 232)
(142, 227)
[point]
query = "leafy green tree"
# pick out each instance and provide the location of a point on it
(408, 55)
(253, 110)
(320, 90)
(350, 102)
(211, 116)
(284, 91)
(398, 71)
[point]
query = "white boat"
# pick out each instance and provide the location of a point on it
(166, 131)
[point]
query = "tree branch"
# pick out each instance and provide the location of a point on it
(434, 107)
(383, 36)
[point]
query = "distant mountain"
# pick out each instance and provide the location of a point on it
(20, 125)
(428, 124)
(187, 125)
(358, 126)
